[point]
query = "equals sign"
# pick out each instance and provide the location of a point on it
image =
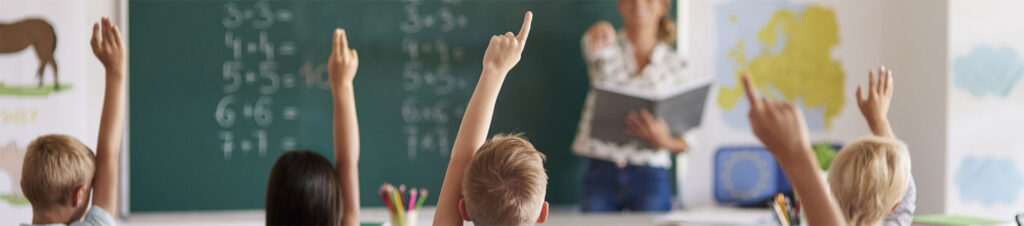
(288, 80)
(462, 21)
(290, 113)
(246, 145)
(250, 77)
(247, 111)
(459, 53)
(462, 84)
(287, 48)
(252, 47)
(288, 143)
(284, 16)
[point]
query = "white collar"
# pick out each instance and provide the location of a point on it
(656, 58)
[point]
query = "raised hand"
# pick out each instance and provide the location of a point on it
(600, 35)
(502, 54)
(343, 62)
(342, 67)
(110, 50)
(779, 125)
(108, 47)
(504, 51)
(875, 106)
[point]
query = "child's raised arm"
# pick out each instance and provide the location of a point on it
(781, 127)
(342, 69)
(109, 49)
(503, 52)
(876, 105)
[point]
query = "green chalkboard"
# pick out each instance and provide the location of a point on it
(220, 89)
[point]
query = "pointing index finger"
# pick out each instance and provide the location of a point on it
(335, 43)
(344, 40)
(524, 32)
(752, 95)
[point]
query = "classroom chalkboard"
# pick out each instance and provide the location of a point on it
(220, 89)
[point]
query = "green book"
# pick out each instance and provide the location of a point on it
(939, 219)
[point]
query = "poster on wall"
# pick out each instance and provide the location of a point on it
(986, 176)
(48, 84)
(810, 53)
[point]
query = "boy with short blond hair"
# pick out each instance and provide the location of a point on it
(869, 178)
(60, 173)
(57, 169)
(499, 159)
(505, 182)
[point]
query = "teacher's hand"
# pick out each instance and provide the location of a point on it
(654, 130)
(600, 35)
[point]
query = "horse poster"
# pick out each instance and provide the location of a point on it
(50, 83)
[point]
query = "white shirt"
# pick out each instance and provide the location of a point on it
(615, 64)
(904, 213)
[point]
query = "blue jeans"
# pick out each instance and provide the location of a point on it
(609, 188)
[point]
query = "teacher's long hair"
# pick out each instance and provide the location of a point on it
(667, 26)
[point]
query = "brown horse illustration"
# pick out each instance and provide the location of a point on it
(18, 36)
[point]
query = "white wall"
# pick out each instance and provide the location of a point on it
(985, 130)
(914, 47)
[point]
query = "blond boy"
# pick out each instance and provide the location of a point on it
(870, 177)
(60, 172)
(503, 181)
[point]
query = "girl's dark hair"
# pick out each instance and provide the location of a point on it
(304, 189)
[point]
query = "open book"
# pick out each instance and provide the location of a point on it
(681, 107)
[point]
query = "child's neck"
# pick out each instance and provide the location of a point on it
(52, 216)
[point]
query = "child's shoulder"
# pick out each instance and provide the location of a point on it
(95, 217)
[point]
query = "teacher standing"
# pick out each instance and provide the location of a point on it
(631, 176)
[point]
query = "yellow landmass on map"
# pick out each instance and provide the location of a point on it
(803, 69)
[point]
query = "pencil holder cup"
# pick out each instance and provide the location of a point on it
(408, 218)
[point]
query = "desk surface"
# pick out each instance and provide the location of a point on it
(255, 217)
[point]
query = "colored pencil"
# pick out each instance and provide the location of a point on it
(423, 197)
(412, 199)
(398, 204)
(780, 211)
(402, 195)
(386, 197)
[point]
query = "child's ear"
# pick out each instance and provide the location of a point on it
(543, 214)
(462, 210)
(79, 196)
(894, 207)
